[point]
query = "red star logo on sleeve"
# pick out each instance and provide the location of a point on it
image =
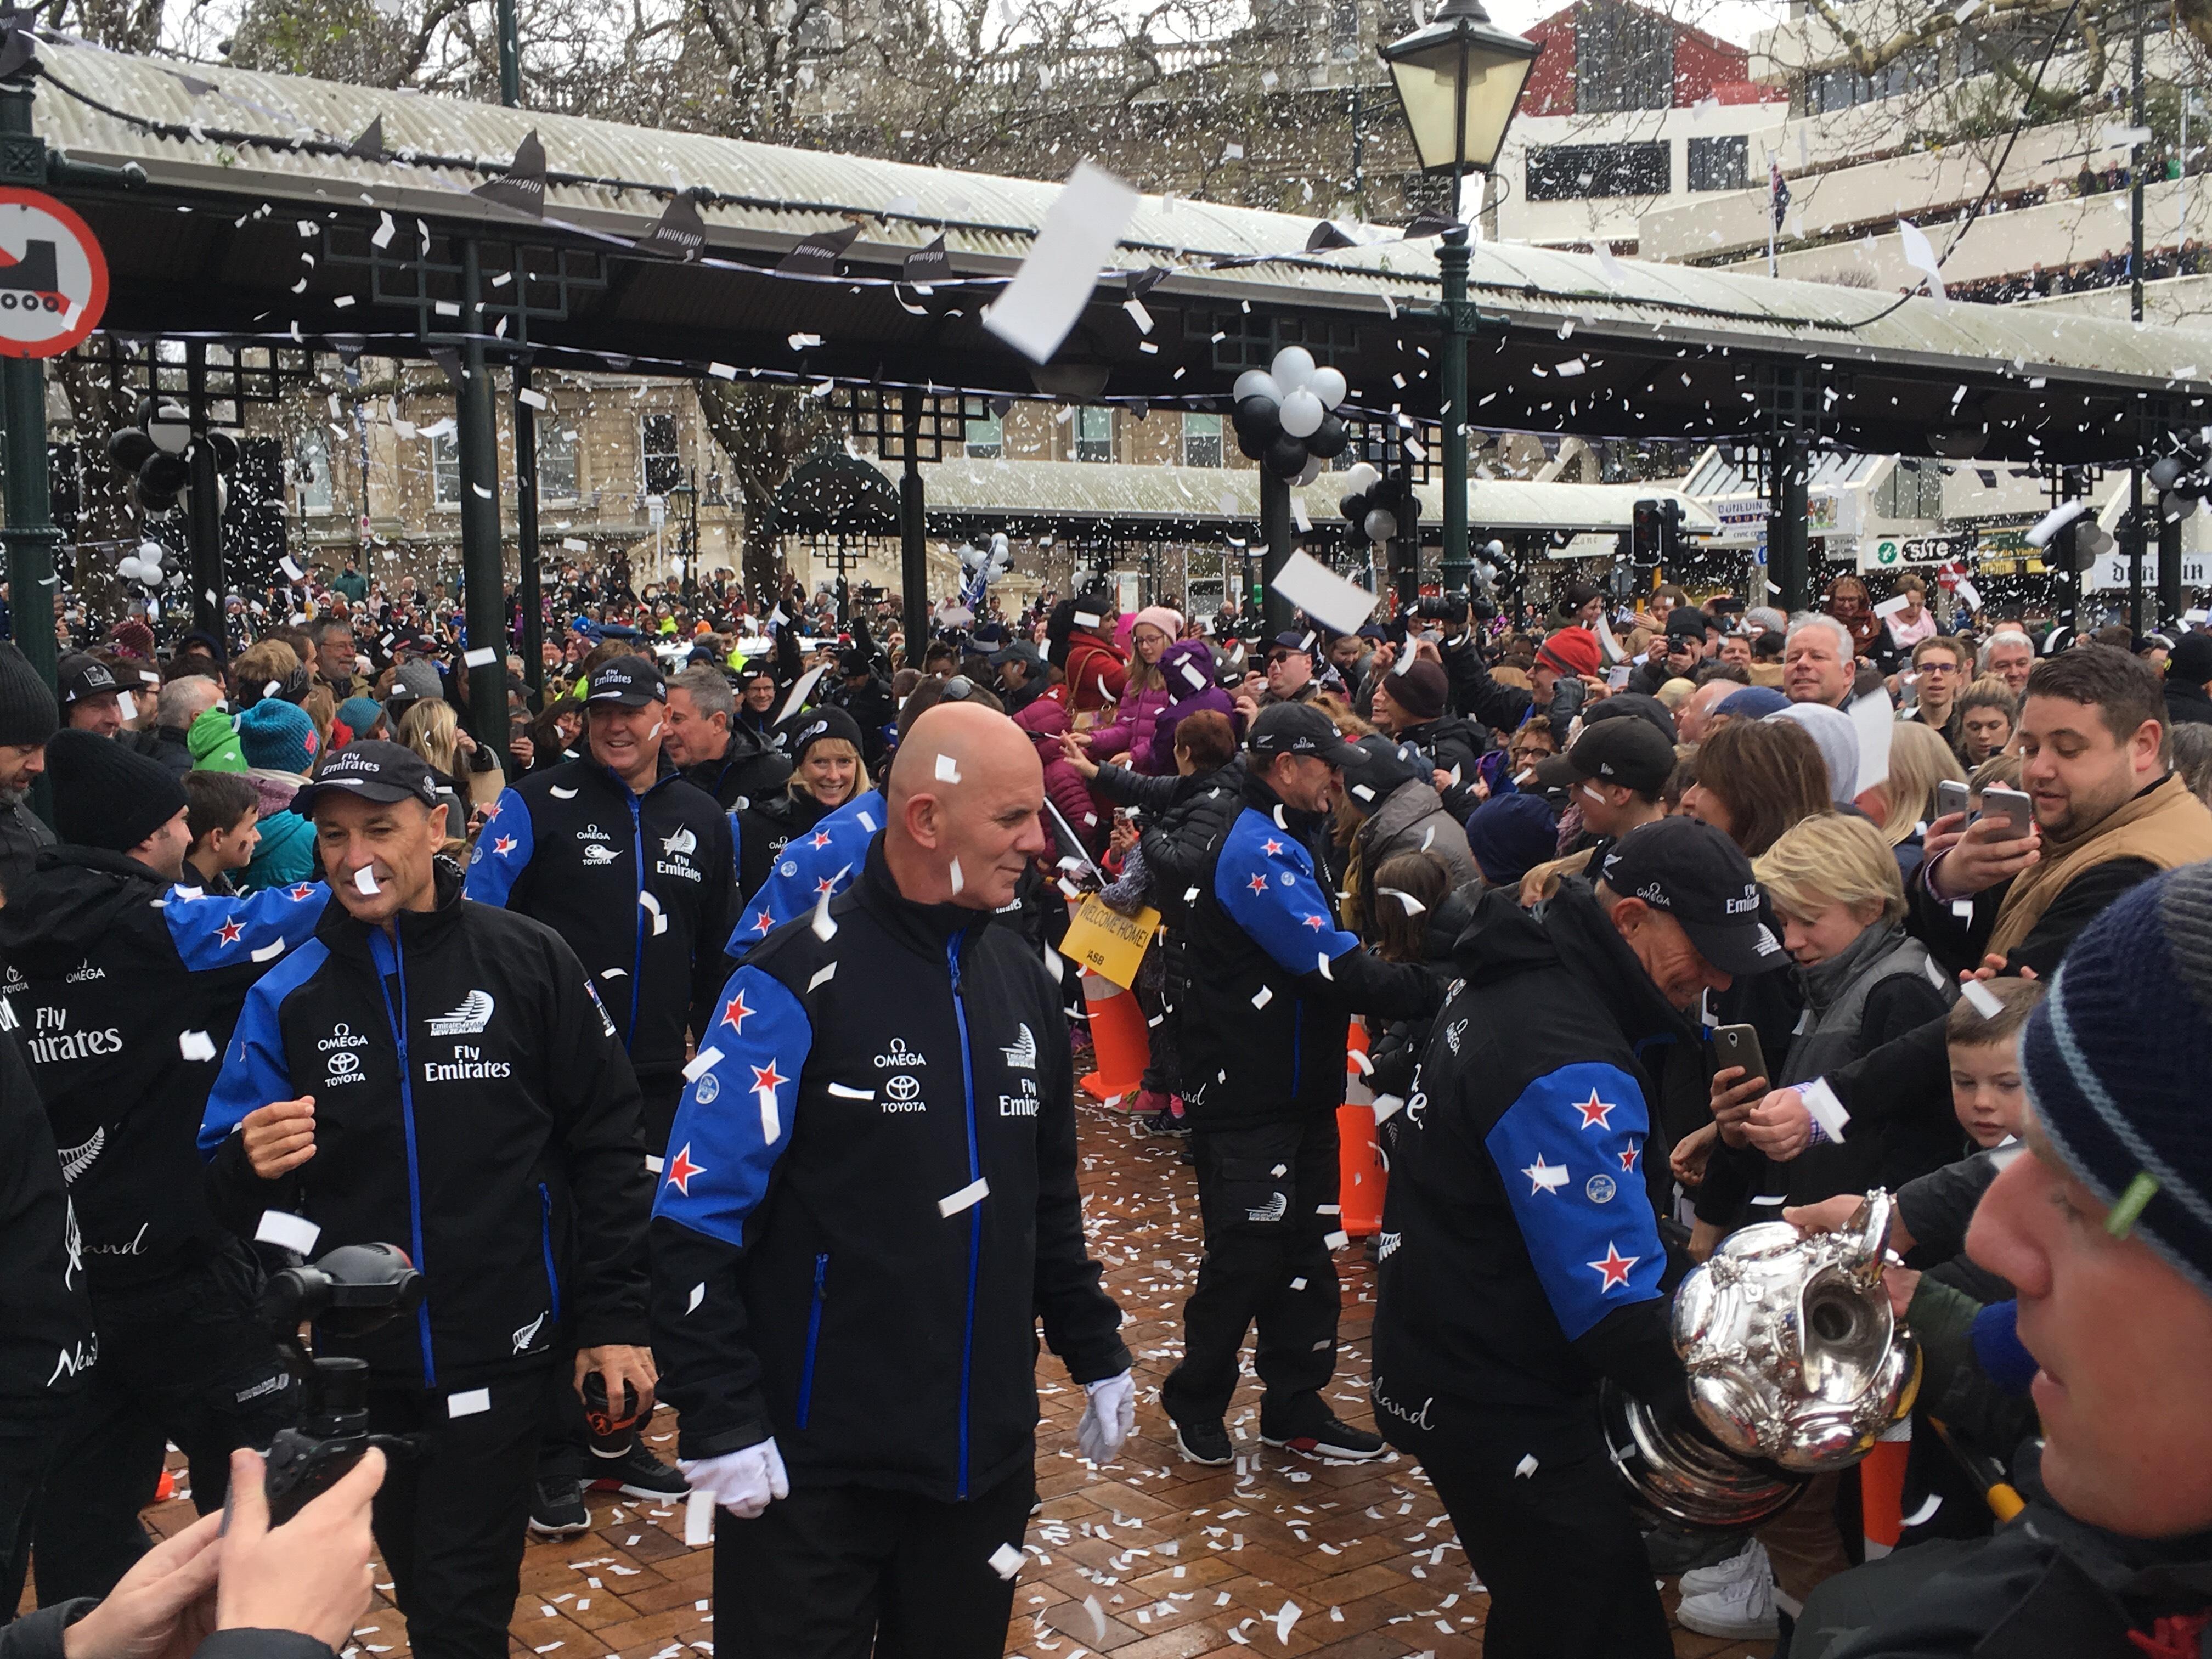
(1614, 1268)
(763, 922)
(1596, 1114)
(681, 1169)
(503, 846)
(1273, 847)
(1316, 923)
(1258, 884)
(826, 885)
(304, 890)
(1628, 1158)
(491, 812)
(734, 1013)
(229, 932)
(766, 1080)
(820, 839)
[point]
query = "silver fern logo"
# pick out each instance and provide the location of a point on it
(75, 1160)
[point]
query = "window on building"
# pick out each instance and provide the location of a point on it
(1913, 489)
(1202, 440)
(1831, 90)
(1094, 434)
(985, 438)
(1566, 172)
(556, 463)
(446, 470)
(1721, 163)
(817, 28)
(664, 465)
(310, 463)
(1624, 59)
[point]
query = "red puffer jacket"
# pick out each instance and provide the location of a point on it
(1045, 720)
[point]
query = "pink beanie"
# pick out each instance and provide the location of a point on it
(1170, 623)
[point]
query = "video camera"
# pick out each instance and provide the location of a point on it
(350, 1292)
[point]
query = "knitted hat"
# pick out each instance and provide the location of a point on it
(277, 735)
(213, 740)
(1570, 651)
(2111, 1060)
(1838, 740)
(1765, 619)
(815, 725)
(108, 795)
(2190, 659)
(1170, 623)
(132, 638)
(360, 714)
(1511, 835)
(1754, 702)
(1419, 690)
(28, 712)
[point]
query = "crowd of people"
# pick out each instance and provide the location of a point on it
(708, 1043)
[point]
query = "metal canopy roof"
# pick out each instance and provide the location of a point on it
(1570, 343)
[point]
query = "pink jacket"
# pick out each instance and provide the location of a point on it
(1134, 719)
(1044, 720)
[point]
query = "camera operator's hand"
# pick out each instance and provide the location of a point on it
(1732, 1095)
(162, 1608)
(742, 1482)
(311, 1575)
(618, 1363)
(1990, 852)
(1780, 1126)
(280, 1137)
(1071, 749)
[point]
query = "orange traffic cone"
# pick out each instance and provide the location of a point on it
(1119, 1041)
(165, 1487)
(1881, 1491)
(1359, 1182)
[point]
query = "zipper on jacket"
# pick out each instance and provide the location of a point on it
(1297, 1042)
(398, 1021)
(975, 1212)
(545, 1238)
(813, 1340)
(637, 959)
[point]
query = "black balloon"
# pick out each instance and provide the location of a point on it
(163, 474)
(1252, 446)
(225, 451)
(1354, 508)
(1328, 439)
(1258, 417)
(1286, 457)
(129, 447)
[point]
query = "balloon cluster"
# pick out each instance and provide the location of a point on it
(151, 565)
(1378, 509)
(1285, 416)
(2184, 478)
(155, 452)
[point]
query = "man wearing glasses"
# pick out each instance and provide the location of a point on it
(1289, 670)
(1940, 667)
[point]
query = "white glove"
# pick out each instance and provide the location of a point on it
(741, 1482)
(1109, 1419)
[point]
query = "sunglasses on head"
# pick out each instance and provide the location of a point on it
(958, 688)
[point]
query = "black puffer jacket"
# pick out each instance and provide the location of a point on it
(1397, 1051)
(750, 770)
(1450, 743)
(1185, 819)
(45, 1316)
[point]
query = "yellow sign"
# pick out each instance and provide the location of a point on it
(1107, 943)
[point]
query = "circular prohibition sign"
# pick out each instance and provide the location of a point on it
(53, 277)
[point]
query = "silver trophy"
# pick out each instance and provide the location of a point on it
(1794, 1359)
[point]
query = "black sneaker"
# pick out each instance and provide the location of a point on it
(1331, 1438)
(557, 1506)
(1166, 1123)
(1204, 1443)
(638, 1472)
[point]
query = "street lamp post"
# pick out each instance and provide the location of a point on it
(1458, 82)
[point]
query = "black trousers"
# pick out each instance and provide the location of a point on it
(1560, 1554)
(1265, 1263)
(25, 1451)
(450, 1519)
(183, 1359)
(845, 1572)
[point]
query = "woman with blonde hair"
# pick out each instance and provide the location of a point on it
(1903, 803)
(432, 730)
(827, 770)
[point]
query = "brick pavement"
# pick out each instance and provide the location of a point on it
(1149, 1559)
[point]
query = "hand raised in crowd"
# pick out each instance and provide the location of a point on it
(1598, 690)
(1692, 1153)
(1733, 1095)
(619, 1365)
(525, 752)
(162, 1608)
(1989, 852)
(309, 1574)
(280, 1137)
(1071, 749)
(1386, 653)
(1780, 1126)
(1122, 838)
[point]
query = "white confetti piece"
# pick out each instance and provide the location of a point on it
(822, 975)
(365, 879)
(948, 769)
(1266, 995)
(196, 1045)
(1316, 589)
(470, 1403)
(841, 1091)
(966, 1199)
(1097, 1620)
(1006, 1560)
(698, 1295)
(700, 1064)
(1283, 1618)
(1525, 1467)
(957, 884)
(1055, 283)
(1985, 1001)
(482, 657)
(771, 1118)
(653, 908)
(1336, 1240)
(699, 1519)
(287, 1231)
(1827, 1111)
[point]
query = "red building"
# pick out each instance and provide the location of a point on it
(1606, 56)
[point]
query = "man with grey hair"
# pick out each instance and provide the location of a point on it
(181, 702)
(713, 752)
(2009, 654)
(1819, 661)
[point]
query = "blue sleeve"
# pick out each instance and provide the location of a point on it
(1264, 879)
(213, 931)
(1997, 1345)
(735, 1118)
(502, 851)
(255, 1068)
(1570, 1150)
(826, 859)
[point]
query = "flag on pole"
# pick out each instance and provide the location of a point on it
(1777, 189)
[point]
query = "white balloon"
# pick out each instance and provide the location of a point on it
(1380, 525)
(1329, 385)
(127, 568)
(1314, 468)
(1361, 478)
(1292, 368)
(1258, 383)
(1303, 414)
(1493, 549)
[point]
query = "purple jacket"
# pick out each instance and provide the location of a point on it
(1188, 667)
(1135, 717)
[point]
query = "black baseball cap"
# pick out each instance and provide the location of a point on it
(632, 682)
(1298, 728)
(1685, 621)
(1302, 643)
(83, 676)
(1701, 878)
(1020, 651)
(371, 769)
(1624, 751)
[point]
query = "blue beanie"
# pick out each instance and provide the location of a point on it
(1754, 702)
(2112, 1059)
(1508, 835)
(276, 735)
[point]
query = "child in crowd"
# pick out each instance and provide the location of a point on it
(1984, 1049)
(223, 810)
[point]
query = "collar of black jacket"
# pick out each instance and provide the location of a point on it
(924, 927)
(342, 934)
(1595, 952)
(1260, 797)
(100, 858)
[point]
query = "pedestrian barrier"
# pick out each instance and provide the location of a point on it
(1360, 1177)
(1881, 1491)
(1119, 1041)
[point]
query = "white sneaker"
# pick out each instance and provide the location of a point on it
(1741, 1611)
(1700, 1581)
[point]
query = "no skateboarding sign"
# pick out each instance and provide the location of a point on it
(53, 277)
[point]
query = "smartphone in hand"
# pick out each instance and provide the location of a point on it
(1738, 1045)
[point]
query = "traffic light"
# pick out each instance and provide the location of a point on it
(1654, 535)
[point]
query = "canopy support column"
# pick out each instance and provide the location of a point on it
(1275, 532)
(914, 540)
(483, 570)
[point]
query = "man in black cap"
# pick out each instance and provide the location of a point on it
(1617, 773)
(1273, 981)
(1289, 670)
(439, 1074)
(91, 695)
(864, 694)
(633, 868)
(28, 716)
(1520, 1258)
(121, 988)
(1022, 677)
(1675, 654)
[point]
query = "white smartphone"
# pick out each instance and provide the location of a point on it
(2012, 806)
